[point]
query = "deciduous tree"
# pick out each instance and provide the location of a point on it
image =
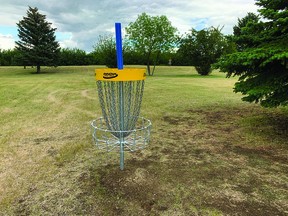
(73, 56)
(202, 48)
(151, 35)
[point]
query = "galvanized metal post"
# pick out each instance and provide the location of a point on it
(121, 115)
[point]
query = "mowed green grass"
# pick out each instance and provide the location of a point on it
(210, 153)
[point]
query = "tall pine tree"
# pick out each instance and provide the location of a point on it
(262, 61)
(37, 44)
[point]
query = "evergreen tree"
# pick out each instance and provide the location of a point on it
(243, 33)
(37, 44)
(262, 61)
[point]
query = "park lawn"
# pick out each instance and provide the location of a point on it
(210, 153)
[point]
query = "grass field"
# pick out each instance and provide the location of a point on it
(210, 153)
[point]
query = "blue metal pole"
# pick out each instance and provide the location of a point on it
(119, 45)
(121, 91)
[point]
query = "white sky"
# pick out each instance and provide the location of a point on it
(80, 22)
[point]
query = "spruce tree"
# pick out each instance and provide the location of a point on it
(37, 44)
(262, 62)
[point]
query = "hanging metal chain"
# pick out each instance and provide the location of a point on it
(129, 95)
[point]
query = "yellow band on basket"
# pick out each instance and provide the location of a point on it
(126, 74)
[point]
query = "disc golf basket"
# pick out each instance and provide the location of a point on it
(120, 94)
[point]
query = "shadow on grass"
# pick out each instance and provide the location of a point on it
(272, 126)
(50, 71)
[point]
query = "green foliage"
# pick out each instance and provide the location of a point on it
(262, 61)
(244, 32)
(67, 56)
(9, 57)
(151, 35)
(202, 48)
(73, 57)
(131, 55)
(105, 51)
(37, 44)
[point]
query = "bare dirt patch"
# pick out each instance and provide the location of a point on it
(213, 148)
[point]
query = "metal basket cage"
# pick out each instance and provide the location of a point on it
(105, 139)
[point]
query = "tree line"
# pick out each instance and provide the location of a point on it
(78, 57)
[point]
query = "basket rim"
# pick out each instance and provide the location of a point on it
(149, 124)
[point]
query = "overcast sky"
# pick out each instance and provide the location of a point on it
(80, 22)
